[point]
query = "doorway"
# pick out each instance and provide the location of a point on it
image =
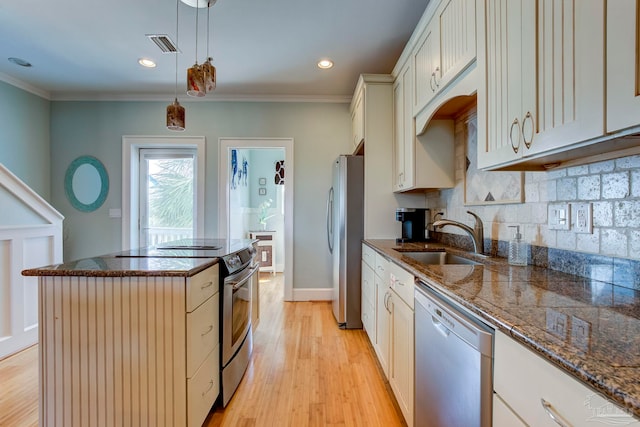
(256, 197)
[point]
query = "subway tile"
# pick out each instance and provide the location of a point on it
(566, 189)
(628, 162)
(615, 185)
(589, 187)
(603, 214)
(606, 166)
(634, 243)
(531, 192)
(588, 242)
(578, 170)
(613, 242)
(635, 184)
(627, 214)
(556, 173)
(566, 239)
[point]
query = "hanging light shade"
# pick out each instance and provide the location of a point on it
(195, 81)
(175, 116)
(209, 74)
(175, 111)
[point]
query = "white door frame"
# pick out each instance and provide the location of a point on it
(225, 145)
(131, 146)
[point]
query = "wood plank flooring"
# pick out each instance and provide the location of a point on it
(304, 372)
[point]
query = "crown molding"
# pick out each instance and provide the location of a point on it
(213, 98)
(25, 86)
(106, 96)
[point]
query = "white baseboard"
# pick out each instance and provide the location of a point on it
(312, 294)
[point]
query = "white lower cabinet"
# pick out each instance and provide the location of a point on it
(503, 416)
(391, 334)
(538, 392)
(401, 355)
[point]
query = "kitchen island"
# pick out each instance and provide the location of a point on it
(131, 338)
(528, 304)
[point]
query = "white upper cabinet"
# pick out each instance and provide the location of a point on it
(544, 88)
(357, 117)
(404, 146)
(445, 48)
(623, 69)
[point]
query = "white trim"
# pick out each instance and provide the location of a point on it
(223, 195)
(25, 86)
(312, 294)
(33, 200)
(337, 99)
(130, 147)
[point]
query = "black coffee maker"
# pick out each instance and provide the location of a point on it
(414, 221)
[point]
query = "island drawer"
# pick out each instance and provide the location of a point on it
(203, 333)
(203, 389)
(202, 286)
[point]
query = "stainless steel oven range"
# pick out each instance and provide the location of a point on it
(239, 271)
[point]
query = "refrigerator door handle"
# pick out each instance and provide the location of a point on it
(330, 220)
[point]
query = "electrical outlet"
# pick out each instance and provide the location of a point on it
(559, 216)
(582, 217)
(557, 323)
(580, 333)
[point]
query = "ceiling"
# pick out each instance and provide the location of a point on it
(261, 49)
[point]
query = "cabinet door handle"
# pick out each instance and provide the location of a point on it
(529, 117)
(208, 388)
(551, 412)
(206, 285)
(435, 77)
(207, 331)
(431, 81)
(515, 123)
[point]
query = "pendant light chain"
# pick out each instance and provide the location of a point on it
(197, 11)
(208, 17)
(177, 46)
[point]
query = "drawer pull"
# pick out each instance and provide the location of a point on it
(552, 413)
(206, 285)
(207, 331)
(209, 388)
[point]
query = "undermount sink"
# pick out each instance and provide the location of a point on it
(438, 258)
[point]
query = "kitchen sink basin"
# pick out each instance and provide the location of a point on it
(438, 258)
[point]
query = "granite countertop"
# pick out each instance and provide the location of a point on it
(588, 328)
(184, 258)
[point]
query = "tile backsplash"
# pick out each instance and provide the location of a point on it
(612, 186)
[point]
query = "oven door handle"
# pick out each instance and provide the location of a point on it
(238, 283)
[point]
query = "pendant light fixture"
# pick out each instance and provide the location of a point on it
(208, 70)
(201, 79)
(195, 76)
(175, 111)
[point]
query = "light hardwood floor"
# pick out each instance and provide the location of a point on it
(304, 372)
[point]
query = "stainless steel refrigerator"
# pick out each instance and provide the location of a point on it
(345, 230)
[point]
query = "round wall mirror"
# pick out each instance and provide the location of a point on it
(86, 183)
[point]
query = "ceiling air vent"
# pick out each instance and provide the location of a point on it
(163, 41)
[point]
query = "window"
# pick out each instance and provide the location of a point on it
(167, 195)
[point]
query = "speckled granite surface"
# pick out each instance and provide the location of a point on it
(589, 328)
(108, 266)
(177, 259)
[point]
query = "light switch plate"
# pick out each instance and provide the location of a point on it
(559, 216)
(582, 217)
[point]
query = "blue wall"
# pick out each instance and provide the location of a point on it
(24, 137)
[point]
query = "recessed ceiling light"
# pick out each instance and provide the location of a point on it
(325, 64)
(20, 62)
(146, 62)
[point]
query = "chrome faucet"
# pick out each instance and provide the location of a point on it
(476, 233)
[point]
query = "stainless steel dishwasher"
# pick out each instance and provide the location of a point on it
(453, 364)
